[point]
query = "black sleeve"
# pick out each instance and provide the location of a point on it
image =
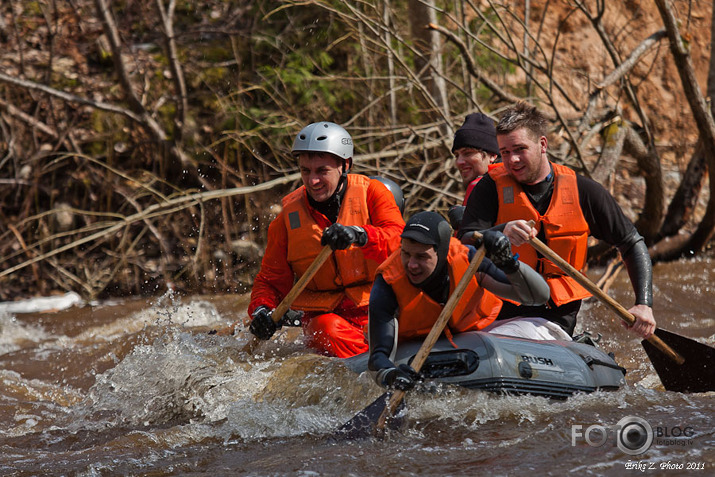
(382, 312)
(482, 207)
(607, 222)
(640, 271)
(603, 214)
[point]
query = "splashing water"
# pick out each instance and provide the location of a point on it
(135, 387)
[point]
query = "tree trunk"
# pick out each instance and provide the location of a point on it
(703, 119)
(648, 222)
(613, 137)
(428, 42)
(685, 198)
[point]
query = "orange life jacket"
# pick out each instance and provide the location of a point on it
(418, 311)
(565, 229)
(346, 272)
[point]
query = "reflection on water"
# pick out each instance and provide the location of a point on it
(140, 387)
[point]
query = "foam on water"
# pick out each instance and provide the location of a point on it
(15, 334)
(166, 385)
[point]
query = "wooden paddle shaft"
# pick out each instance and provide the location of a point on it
(434, 333)
(624, 314)
(301, 283)
(297, 289)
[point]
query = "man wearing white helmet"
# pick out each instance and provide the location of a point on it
(356, 216)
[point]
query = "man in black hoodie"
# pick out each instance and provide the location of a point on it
(412, 286)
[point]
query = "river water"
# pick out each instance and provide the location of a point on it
(138, 387)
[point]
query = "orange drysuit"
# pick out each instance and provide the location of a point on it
(335, 300)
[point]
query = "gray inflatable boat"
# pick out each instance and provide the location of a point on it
(504, 364)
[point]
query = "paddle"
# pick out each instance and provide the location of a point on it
(362, 424)
(285, 304)
(683, 365)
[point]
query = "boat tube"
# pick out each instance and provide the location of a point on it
(509, 365)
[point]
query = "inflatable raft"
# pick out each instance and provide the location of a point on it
(504, 364)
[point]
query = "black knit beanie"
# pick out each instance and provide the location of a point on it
(477, 132)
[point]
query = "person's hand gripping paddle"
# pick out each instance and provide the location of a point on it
(372, 419)
(284, 305)
(683, 364)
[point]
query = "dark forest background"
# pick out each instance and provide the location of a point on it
(144, 144)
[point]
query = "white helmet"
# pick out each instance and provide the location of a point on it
(324, 137)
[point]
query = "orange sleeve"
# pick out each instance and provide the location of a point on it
(383, 235)
(275, 278)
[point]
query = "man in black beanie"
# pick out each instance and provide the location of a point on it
(475, 148)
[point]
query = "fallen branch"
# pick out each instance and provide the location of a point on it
(157, 210)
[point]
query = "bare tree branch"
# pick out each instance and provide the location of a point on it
(71, 98)
(651, 217)
(702, 114)
(176, 155)
(471, 65)
(624, 68)
(177, 72)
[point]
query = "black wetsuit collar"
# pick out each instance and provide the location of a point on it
(539, 194)
(437, 284)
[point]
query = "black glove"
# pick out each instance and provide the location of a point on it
(402, 378)
(455, 214)
(470, 238)
(291, 318)
(340, 236)
(499, 251)
(262, 324)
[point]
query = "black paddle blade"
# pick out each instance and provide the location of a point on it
(364, 423)
(695, 375)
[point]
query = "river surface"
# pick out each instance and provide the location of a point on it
(138, 387)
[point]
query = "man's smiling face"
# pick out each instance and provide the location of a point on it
(321, 174)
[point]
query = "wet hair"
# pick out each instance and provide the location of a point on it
(523, 115)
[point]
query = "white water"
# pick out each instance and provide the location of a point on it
(140, 387)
